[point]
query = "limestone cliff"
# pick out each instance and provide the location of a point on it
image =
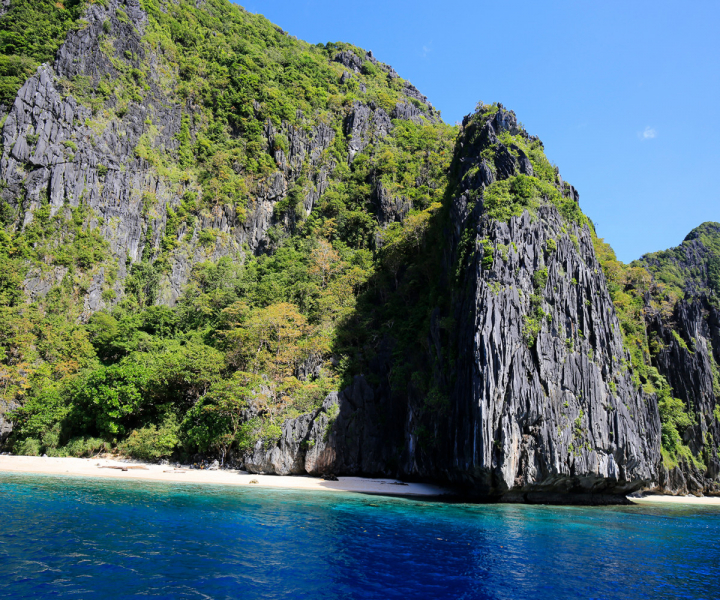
(68, 140)
(531, 415)
(684, 329)
(176, 147)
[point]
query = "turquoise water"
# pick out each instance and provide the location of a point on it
(82, 538)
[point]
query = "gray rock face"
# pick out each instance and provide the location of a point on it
(365, 125)
(682, 481)
(688, 360)
(289, 456)
(349, 59)
(685, 343)
(56, 147)
(412, 92)
(340, 437)
(530, 416)
(390, 208)
(5, 426)
(561, 415)
(408, 112)
(71, 146)
(37, 284)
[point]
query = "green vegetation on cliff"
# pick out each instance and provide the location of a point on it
(31, 31)
(262, 334)
(248, 333)
(653, 286)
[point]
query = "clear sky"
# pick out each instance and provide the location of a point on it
(624, 94)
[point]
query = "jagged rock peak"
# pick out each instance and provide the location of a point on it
(540, 404)
(101, 127)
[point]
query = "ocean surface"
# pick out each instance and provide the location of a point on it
(65, 537)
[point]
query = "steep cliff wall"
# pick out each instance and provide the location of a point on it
(684, 330)
(167, 135)
(542, 403)
(102, 126)
(690, 368)
(208, 224)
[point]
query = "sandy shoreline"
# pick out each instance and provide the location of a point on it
(657, 498)
(98, 467)
(112, 469)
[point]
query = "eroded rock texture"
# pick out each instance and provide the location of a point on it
(562, 414)
(117, 152)
(529, 397)
(525, 419)
(687, 344)
(56, 148)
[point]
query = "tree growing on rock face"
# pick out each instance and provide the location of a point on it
(271, 341)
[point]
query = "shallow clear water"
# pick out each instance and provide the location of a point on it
(82, 538)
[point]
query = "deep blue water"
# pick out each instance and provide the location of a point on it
(82, 538)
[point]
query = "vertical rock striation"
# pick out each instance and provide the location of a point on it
(542, 406)
(529, 392)
(60, 150)
(686, 343)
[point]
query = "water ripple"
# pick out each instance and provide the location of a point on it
(78, 538)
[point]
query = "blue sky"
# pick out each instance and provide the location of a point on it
(625, 95)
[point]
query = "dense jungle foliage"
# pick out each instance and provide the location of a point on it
(30, 34)
(260, 333)
(254, 339)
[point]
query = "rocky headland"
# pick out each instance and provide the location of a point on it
(209, 226)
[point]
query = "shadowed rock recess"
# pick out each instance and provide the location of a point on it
(485, 337)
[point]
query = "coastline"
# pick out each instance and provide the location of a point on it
(137, 471)
(111, 469)
(662, 499)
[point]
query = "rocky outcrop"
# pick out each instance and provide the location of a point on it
(57, 148)
(687, 357)
(5, 425)
(683, 480)
(684, 337)
(560, 414)
(414, 94)
(539, 403)
(71, 146)
(390, 209)
(407, 111)
(343, 436)
(350, 60)
(543, 402)
(67, 142)
(364, 125)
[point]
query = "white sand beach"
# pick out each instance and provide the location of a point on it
(119, 469)
(658, 498)
(113, 469)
